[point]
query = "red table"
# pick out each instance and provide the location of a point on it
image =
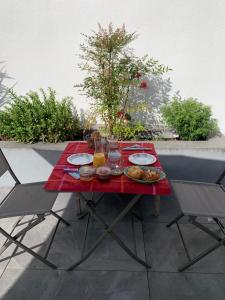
(63, 182)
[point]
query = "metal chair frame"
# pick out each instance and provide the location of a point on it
(220, 241)
(34, 222)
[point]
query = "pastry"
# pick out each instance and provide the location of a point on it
(135, 172)
(151, 175)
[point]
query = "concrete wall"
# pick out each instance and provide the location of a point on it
(39, 42)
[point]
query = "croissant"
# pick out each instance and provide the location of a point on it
(151, 175)
(135, 172)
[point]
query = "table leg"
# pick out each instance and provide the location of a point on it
(109, 230)
(134, 212)
(80, 214)
(156, 205)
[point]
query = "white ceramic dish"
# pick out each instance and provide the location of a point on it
(80, 159)
(142, 159)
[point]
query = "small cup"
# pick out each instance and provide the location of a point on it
(86, 173)
(117, 170)
(103, 173)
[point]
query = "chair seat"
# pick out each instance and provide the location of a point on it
(27, 199)
(200, 199)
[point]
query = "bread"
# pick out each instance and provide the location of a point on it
(135, 172)
(151, 175)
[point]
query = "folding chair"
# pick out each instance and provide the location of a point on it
(199, 199)
(19, 200)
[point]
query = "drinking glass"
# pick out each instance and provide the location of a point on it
(99, 155)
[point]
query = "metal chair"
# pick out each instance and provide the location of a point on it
(198, 199)
(20, 200)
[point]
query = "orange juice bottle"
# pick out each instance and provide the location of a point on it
(99, 156)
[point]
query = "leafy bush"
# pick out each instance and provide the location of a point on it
(32, 118)
(128, 131)
(191, 119)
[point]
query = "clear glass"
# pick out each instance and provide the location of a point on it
(115, 158)
(99, 154)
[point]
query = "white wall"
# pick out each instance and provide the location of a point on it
(39, 41)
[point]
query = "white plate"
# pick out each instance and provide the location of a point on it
(142, 159)
(80, 159)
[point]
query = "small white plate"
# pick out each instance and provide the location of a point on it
(80, 159)
(142, 159)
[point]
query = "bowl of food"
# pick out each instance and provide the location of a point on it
(103, 173)
(143, 174)
(86, 173)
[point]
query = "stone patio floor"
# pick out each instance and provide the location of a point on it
(109, 273)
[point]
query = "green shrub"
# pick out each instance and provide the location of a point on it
(191, 119)
(127, 131)
(33, 117)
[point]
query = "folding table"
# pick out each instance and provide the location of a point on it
(62, 182)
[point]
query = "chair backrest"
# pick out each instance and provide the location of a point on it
(18, 199)
(8, 180)
(3, 164)
(4, 167)
(220, 180)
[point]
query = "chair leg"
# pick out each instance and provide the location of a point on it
(19, 244)
(201, 255)
(192, 261)
(59, 218)
(175, 220)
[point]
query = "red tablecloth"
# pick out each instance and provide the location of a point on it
(63, 182)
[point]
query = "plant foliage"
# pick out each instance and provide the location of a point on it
(128, 131)
(112, 71)
(38, 117)
(191, 119)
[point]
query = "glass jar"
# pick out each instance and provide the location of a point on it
(103, 173)
(99, 154)
(86, 173)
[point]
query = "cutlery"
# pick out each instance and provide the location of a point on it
(66, 170)
(75, 175)
(136, 148)
(72, 172)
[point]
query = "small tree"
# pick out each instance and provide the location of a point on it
(112, 71)
(191, 119)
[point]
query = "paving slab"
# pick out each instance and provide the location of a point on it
(7, 224)
(189, 168)
(57, 285)
(67, 245)
(165, 251)
(37, 239)
(27, 165)
(177, 286)
(213, 143)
